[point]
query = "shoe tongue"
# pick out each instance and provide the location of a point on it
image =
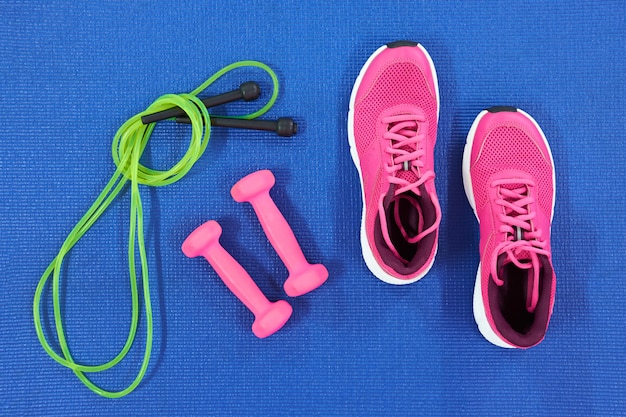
(511, 187)
(522, 256)
(408, 176)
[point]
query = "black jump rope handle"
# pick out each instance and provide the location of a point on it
(285, 126)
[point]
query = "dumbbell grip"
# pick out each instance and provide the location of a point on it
(279, 232)
(237, 279)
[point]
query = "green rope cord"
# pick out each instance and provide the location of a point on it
(128, 145)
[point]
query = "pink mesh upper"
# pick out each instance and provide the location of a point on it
(387, 92)
(508, 145)
(397, 79)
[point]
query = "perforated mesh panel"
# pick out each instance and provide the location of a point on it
(407, 175)
(509, 147)
(388, 92)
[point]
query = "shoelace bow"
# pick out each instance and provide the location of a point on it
(404, 136)
(521, 234)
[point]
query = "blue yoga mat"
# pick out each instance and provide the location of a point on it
(72, 72)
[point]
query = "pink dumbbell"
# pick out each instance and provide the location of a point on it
(255, 189)
(269, 317)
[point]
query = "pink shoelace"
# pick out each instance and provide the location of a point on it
(523, 240)
(404, 169)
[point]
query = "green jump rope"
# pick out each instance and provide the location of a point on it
(128, 145)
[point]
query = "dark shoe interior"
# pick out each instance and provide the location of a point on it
(409, 217)
(512, 297)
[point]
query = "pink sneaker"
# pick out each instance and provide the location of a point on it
(392, 129)
(508, 174)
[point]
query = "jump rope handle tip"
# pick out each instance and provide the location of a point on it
(248, 91)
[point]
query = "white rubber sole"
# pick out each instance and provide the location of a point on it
(368, 255)
(480, 314)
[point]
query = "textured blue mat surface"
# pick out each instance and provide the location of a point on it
(72, 73)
